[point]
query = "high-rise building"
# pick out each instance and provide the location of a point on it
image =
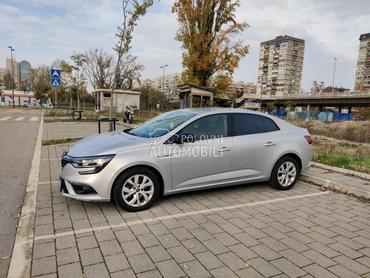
(362, 81)
(24, 71)
(15, 70)
(280, 66)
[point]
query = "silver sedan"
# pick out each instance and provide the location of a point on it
(185, 150)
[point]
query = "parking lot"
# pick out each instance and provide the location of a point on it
(244, 231)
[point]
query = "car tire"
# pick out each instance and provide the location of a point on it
(285, 173)
(136, 189)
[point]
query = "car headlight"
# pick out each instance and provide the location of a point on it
(91, 165)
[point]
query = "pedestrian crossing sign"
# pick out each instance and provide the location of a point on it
(55, 82)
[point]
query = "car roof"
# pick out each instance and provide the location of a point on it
(217, 110)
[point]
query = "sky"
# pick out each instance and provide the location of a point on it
(44, 30)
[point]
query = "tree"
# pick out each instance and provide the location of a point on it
(8, 81)
(222, 83)
(132, 10)
(206, 31)
(40, 82)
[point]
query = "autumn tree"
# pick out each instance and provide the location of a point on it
(40, 82)
(8, 81)
(207, 31)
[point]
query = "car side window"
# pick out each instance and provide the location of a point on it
(245, 124)
(208, 127)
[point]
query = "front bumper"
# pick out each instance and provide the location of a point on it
(92, 187)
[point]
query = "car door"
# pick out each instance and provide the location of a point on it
(207, 160)
(256, 141)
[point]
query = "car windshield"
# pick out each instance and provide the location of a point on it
(162, 124)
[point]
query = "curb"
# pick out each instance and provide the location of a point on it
(341, 170)
(20, 264)
(336, 187)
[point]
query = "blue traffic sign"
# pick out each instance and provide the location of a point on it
(55, 82)
(56, 73)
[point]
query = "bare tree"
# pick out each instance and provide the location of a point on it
(132, 10)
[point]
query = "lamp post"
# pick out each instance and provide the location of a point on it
(12, 77)
(163, 68)
(335, 66)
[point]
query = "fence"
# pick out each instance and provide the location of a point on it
(322, 116)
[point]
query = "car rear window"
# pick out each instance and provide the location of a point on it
(245, 124)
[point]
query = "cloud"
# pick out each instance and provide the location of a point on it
(43, 30)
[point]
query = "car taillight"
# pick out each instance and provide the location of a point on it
(308, 139)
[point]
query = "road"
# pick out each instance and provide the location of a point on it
(18, 132)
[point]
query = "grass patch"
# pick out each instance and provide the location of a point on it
(348, 156)
(59, 141)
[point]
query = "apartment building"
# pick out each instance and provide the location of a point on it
(280, 66)
(362, 80)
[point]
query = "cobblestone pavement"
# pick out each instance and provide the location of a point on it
(302, 232)
(62, 130)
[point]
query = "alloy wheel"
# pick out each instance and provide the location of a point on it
(138, 190)
(286, 174)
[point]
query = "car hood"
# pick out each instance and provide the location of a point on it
(105, 143)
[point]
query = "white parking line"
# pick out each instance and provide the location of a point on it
(34, 119)
(178, 215)
(19, 119)
(4, 119)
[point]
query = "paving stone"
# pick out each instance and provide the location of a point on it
(318, 258)
(295, 258)
(168, 241)
(223, 272)
(70, 271)
(180, 254)
(352, 265)
(91, 256)
(105, 235)
(148, 240)
(96, 271)
(343, 272)
(323, 249)
(232, 261)
(170, 269)
(150, 274)
(67, 256)
(65, 242)
(124, 235)
(249, 273)
(243, 252)
(194, 245)
(110, 247)
(201, 234)
(265, 252)
(209, 260)
(141, 263)
(215, 246)
(288, 268)
(195, 269)
(246, 239)
(88, 242)
(347, 251)
(264, 267)
(318, 272)
(158, 229)
(157, 253)
(226, 239)
(116, 262)
(43, 250)
(123, 274)
(44, 266)
(132, 248)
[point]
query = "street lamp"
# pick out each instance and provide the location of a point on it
(12, 77)
(335, 66)
(163, 68)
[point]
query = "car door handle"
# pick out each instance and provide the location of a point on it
(223, 149)
(269, 144)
